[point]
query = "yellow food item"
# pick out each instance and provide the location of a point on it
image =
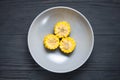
(51, 42)
(62, 29)
(67, 45)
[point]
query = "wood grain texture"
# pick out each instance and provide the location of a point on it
(18, 15)
(16, 62)
(75, 75)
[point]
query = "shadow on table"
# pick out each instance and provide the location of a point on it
(46, 75)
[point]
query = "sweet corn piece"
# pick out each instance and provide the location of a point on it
(51, 42)
(62, 29)
(67, 45)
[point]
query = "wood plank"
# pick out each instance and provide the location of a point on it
(16, 16)
(14, 75)
(14, 54)
(45, 75)
(77, 75)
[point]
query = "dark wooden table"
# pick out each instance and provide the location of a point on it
(16, 62)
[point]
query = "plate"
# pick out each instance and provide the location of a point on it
(81, 31)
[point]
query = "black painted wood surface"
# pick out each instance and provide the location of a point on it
(16, 62)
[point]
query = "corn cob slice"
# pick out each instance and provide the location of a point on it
(51, 42)
(67, 45)
(62, 29)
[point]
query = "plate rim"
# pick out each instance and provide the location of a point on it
(65, 7)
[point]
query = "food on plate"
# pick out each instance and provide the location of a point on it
(51, 42)
(67, 45)
(62, 29)
(60, 38)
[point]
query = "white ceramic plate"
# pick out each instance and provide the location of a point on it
(81, 31)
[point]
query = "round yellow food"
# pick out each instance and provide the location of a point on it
(51, 42)
(62, 29)
(67, 45)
